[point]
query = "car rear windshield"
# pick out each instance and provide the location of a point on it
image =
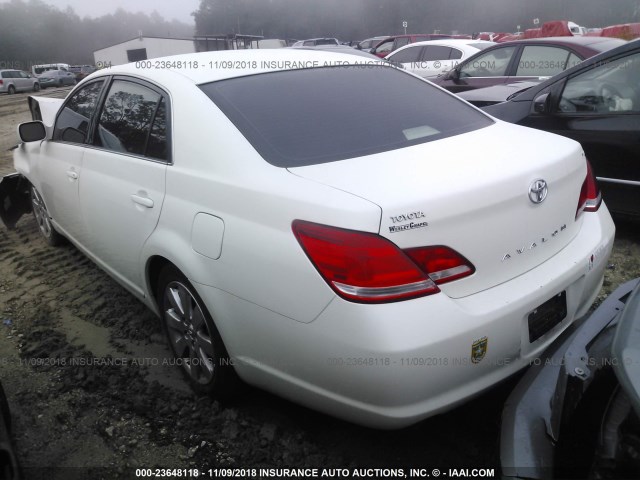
(304, 117)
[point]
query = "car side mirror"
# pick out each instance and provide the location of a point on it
(32, 131)
(453, 74)
(541, 103)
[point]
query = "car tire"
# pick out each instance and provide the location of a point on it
(36, 87)
(4, 409)
(11, 90)
(193, 337)
(41, 215)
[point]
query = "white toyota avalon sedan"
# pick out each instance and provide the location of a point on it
(378, 258)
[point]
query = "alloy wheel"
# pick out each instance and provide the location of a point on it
(188, 332)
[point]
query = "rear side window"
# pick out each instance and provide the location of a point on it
(304, 117)
(408, 55)
(455, 54)
(436, 52)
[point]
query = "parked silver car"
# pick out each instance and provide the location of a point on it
(56, 78)
(12, 81)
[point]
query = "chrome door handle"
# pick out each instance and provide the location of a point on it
(144, 201)
(71, 174)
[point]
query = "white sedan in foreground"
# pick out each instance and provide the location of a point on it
(377, 271)
(433, 57)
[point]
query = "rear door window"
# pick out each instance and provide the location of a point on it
(436, 52)
(408, 55)
(542, 61)
(132, 118)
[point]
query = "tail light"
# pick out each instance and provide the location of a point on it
(1, 82)
(367, 268)
(590, 196)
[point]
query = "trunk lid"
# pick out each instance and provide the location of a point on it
(471, 193)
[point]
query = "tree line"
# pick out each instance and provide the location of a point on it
(34, 32)
(358, 19)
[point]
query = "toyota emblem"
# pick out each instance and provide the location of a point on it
(538, 191)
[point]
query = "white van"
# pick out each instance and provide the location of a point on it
(37, 70)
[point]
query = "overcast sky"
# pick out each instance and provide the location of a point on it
(169, 9)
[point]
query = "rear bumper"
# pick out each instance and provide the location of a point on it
(392, 365)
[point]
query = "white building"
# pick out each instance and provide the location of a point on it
(145, 48)
(142, 48)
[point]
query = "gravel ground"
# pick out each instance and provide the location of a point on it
(87, 374)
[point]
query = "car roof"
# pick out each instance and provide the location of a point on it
(578, 40)
(336, 48)
(201, 67)
(447, 42)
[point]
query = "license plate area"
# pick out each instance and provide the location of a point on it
(547, 316)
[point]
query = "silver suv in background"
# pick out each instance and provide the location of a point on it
(314, 42)
(12, 81)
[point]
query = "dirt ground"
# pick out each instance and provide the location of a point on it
(84, 367)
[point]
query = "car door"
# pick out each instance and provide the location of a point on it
(485, 69)
(600, 107)
(68, 78)
(15, 80)
(21, 81)
(27, 80)
(123, 178)
(57, 166)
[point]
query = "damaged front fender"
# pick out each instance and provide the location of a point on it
(14, 199)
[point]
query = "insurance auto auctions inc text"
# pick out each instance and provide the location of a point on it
(301, 473)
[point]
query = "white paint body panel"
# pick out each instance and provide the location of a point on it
(223, 215)
(433, 68)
